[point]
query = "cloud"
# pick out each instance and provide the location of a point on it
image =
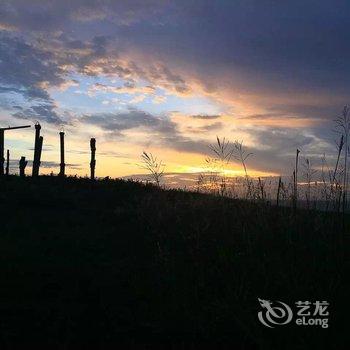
(28, 71)
(14, 164)
(127, 88)
(68, 84)
(59, 14)
(159, 131)
(205, 116)
(138, 99)
(51, 164)
(7, 27)
(286, 120)
(40, 112)
(24, 68)
(205, 128)
(133, 118)
(108, 57)
(281, 139)
(159, 99)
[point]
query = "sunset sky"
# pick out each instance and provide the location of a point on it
(167, 77)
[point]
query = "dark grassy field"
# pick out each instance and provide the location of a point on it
(114, 263)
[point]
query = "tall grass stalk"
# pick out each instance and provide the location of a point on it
(240, 154)
(154, 166)
(343, 127)
(278, 190)
(295, 181)
(222, 156)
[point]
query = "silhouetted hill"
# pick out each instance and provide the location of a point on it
(112, 262)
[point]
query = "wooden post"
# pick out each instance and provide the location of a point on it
(294, 194)
(62, 164)
(40, 148)
(93, 160)
(295, 181)
(2, 137)
(2, 159)
(296, 178)
(22, 167)
(278, 190)
(37, 151)
(7, 162)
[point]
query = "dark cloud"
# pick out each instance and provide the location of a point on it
(162, 131)
(42, 112)
(185, 144)
(274, 149)
(26, 71)
(325, 112)
(264, 116)
(205, 116)
(205, 128)
(130, 119)
(24, 68)
(281, 139)
(14, 164)
(111, 154)
(50, 164)
(39, 15)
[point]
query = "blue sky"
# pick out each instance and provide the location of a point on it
(169, 76)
